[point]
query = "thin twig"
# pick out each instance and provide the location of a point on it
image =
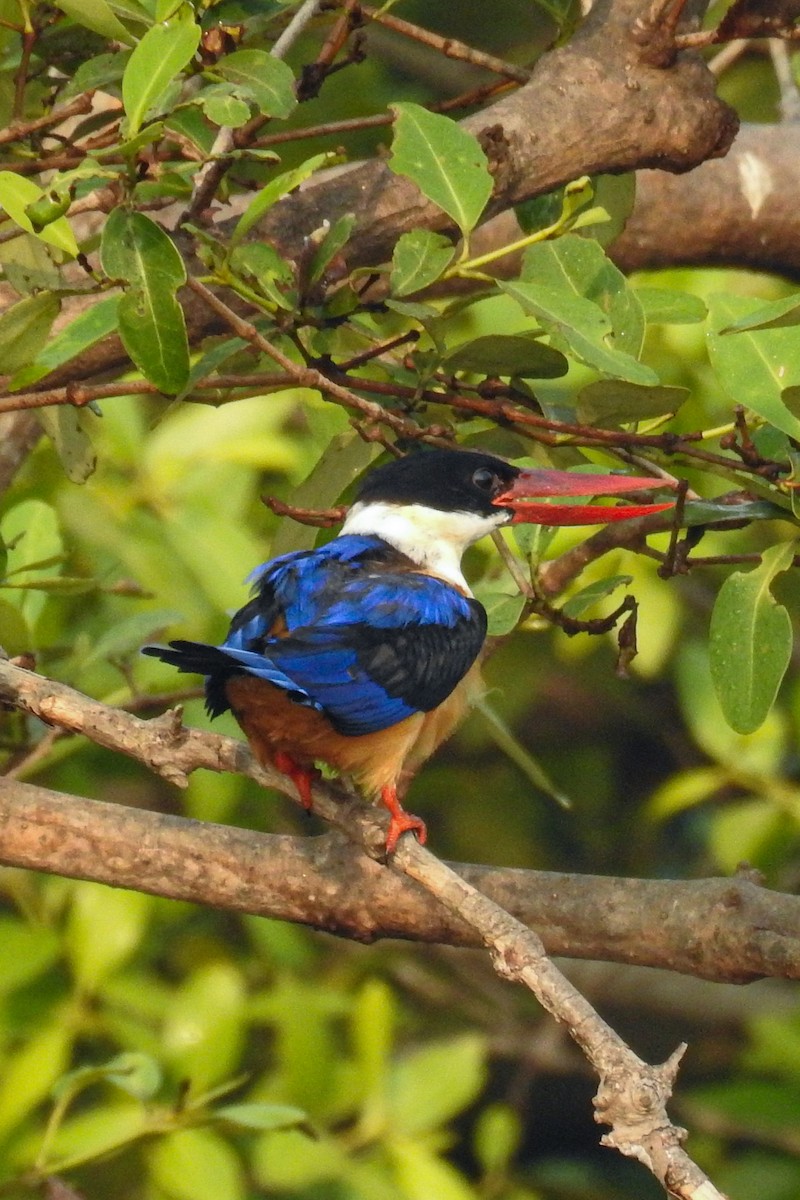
(448, 46)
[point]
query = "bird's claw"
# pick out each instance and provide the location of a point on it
(401, 822)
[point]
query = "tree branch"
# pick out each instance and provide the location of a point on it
(741, 931)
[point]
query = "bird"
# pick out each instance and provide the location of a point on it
(363, 654)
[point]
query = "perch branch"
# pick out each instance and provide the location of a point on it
(741, 931)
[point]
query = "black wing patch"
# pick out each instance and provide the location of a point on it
(420, 664)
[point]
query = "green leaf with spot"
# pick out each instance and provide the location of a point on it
(578, 266)
(754, 365)
(162, 54)
(66, 428)
(751, 641)
(581, 327)
(419, 259)
(444, 160)
(151, 322)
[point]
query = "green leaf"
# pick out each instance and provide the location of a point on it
(508, 354)
(586, 597)
(422, 1174)
(205, 1025)
(685, 790)
(222, 106)
(666, 307)
(89, 327)
(28, 950)
(105, 927)
(751, 641)
(708, 512)
(611, 402)
(136, 1074)
(273, 275)
(197, 1164)
(615, 194)
(420, 257)
(436, 1082)
(31, 531)
(754, 366)
(581, 326)
(153, 331)
(97, 73)
(30, 1072)
(98, 16)
(66, 428)
(503, 609)
(24, 328)
(280, 186)
(162, 54)
(16, 193)
(151, 322)
(136, 250)
(497, 1136)
(778, 314)
(445, 162)
(373, 1030)
(334, 240)
(268, 81)
(265, 1117)
(579, 267)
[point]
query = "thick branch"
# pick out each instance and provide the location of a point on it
(593, 105)
(590, 106)
(736, 211)
(739, 931)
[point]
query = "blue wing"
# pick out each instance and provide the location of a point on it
(349, 630)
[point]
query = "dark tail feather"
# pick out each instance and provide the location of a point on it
(197, 658)
(193, 658)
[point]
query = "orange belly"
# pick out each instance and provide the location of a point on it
(273, 724)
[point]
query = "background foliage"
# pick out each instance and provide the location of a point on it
(153, 1050)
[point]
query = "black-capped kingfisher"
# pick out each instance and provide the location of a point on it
(363, 654)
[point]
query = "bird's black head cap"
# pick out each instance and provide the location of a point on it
(447, 480)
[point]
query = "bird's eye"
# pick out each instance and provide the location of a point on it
(483, 478)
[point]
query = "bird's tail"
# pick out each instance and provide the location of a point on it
(198, 658)
(193, 658)
(221, 663)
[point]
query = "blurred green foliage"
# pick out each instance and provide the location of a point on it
(153, 1051)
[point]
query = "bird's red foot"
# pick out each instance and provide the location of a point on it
(401, 821)
(302, 777)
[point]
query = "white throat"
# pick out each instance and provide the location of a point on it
(433, 539)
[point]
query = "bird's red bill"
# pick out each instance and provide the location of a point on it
(530, 486)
